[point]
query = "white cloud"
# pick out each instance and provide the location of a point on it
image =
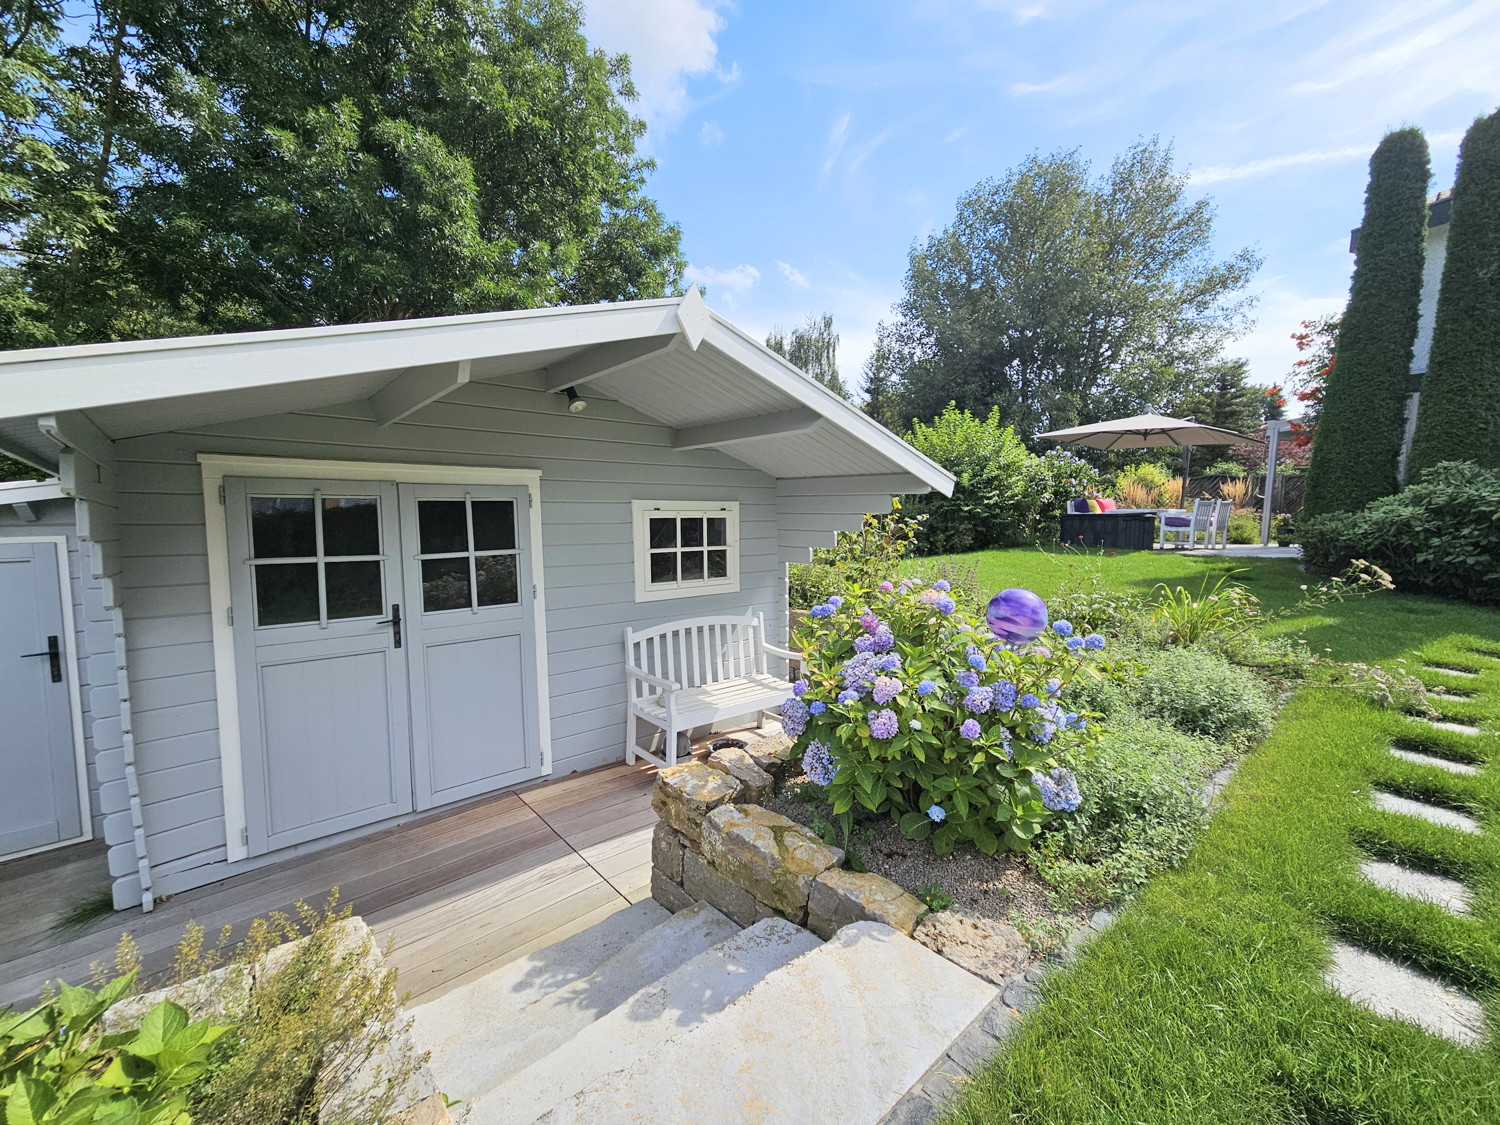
(729, 284)
(954, 134)
(1217, 173)
(1020, 89)
(711, 134)
(838, 136)
(1280, 312)
(669, 42)
(793, 275)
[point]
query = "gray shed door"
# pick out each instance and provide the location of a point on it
(39, 783)
(383, 648)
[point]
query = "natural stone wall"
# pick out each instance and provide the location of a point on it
(715, 844)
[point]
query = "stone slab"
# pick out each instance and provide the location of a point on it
(1396, 991)
(685, 794)
(669, 895)
(1447, 671)
(684, 998)
(1456, 728)
(983, 946)
(1434, 814)
(840, 897)
(666, 851)
(1420, 759)
(704, 884)
(1439, 890)
(479, 1040)
(837, 1036)
(739, 765)
(771, 856)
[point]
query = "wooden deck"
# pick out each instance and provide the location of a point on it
(460, 891)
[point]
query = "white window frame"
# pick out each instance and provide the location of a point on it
(643, 510)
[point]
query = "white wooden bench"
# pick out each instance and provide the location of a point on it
(695, 672)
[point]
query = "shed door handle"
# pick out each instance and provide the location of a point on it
(394, 620)
(53, 654)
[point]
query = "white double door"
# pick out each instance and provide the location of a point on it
(384, 649)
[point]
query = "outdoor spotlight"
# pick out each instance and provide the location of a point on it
(576, 405)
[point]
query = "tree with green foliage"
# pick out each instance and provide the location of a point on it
(1358, 443)
(1227, 401)
(272, 165)
(1458, 415)
(814, 348)
(880, 383)
(1064, 298)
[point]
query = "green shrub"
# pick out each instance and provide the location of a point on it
(808, 584)
(57, 1066)
(1244, 527)
(909, 710)
(1201, 692)
(1439, 536)
(1141, 814)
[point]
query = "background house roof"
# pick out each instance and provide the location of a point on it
(672, 360)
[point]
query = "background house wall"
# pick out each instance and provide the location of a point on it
(592, 464)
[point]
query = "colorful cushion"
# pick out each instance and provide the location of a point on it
(1106, 504)
(1080, 505)
(1179, 521)
(1094, 505)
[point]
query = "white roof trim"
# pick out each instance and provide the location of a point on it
(31, 491)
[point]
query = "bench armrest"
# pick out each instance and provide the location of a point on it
(656, 681)
(784, 653)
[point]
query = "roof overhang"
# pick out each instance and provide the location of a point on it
(671, 360)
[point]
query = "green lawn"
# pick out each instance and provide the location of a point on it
(1204, 1002)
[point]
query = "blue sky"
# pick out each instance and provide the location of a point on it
(804, 146)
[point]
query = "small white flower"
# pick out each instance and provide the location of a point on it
(915, 724)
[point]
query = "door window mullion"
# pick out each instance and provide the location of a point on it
(322, 575)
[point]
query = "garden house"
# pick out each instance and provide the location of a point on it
(290, 587)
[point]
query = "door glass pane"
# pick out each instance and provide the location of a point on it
(664, 567)
(692, 566)
(663, 532)
(286, 593)
(442, 526)
(353, 589)
(351, 526)
(718, 564)
(445, 584)
(497, 579)
(281, 527)
(692, 532)
(718, 531)
(494, 525)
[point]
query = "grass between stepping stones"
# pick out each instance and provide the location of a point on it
(1204, 1003)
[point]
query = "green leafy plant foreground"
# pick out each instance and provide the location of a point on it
(58, 1067)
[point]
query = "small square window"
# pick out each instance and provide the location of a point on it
(685, 549)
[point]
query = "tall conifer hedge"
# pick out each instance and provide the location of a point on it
(1458, 418)
(1358, 441)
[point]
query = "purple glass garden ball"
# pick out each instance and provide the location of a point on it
(1017, 616)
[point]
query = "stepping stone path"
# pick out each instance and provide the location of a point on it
(1435, 814)
(1420, 759)
(1456, 728)
(1398, 992)
(1439, 890)
(1447, 671)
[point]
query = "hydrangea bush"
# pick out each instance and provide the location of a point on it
(909, 708)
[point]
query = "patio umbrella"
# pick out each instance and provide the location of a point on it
(1151, 431)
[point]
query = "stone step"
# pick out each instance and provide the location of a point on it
(836, 1037)
(484, 1047)
(1424, 886)
(506, 990)
(1434, 814)
(683, 998)
(1418, 758)
(1447, 671)
(1455, 727)
(1400, 992)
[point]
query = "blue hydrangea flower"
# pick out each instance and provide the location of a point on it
(817, 763)
(1005, 695)
(1054, 687)
(887, 688)
(883, 724)
(942, 585)
(820, 611)
(977, 662)
(1093, 642)
(881, 640)
(1059, 790)
(980, 699)
(889, 662)
(816, 707)
(970, 728)
(1074, 643)
(968, 679)
(1043, 733)
(848, 695)
(945, 605)
(835, 601)
(936, 814)
(1063, 628)
(926, 687)
(799, 687)
(1029, 700)
(794, 717)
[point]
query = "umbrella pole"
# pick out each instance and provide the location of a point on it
(1187, 464)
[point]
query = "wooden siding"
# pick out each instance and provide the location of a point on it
(592, 466)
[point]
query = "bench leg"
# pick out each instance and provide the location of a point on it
(630, 755)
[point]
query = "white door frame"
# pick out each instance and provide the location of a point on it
(75, 695)
(215, 467)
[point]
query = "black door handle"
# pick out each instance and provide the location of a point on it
(54, 658)
(393, 620)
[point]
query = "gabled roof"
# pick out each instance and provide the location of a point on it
(672, 360)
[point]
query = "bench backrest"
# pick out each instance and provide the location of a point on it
(697, 650)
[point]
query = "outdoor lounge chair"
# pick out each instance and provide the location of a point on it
(1183, 528)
